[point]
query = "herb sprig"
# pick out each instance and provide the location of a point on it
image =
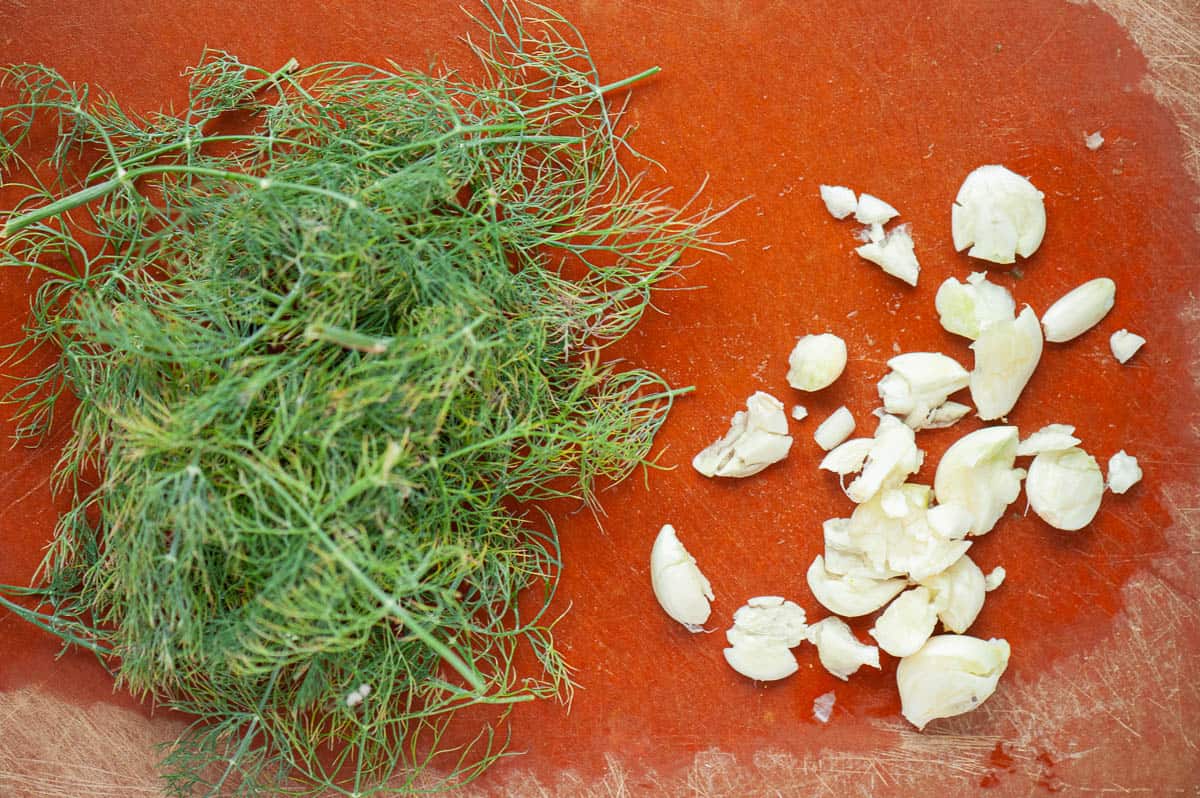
(325, 365)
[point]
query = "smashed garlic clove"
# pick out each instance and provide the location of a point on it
(1064, 488)
(919, 383)
(834, 430)
(1123, 472)
(850, 596)
(907, 623)
(757, 438)
(816, 362)
(872, 210)
(847, 457)
(839, 650)
(966, 309)
(947, 414)
(681, 589)
(994, 578)
(1006, 354)
(1079, 310)
(950, 675)
(847, 554)
(1125, 344)
(761, 661)
(1050, 438)
(799, 412)
(999, 212)
(976, 473)
(950, 521)
(892, 457)
(958, 594)
(839, 201)
(894, 254)
(769, 618)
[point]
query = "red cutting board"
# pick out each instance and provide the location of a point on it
(765, 101)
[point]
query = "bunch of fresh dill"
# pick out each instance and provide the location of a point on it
(323, 364)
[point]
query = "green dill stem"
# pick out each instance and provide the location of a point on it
(53, 625)
(347, 339)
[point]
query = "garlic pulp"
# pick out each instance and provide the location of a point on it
(839, 201)
(873, 210)
(1000, 213)
(835, 429)
(816, 362)
(958, 594)
(950, 675)
(907, 623)
(757, 437)
(680, 587)
(1125, 344)
(892, 457)
(1050, 438)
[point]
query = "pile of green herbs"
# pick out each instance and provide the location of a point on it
(323, 364)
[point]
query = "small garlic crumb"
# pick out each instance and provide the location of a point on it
(839, 201)
(894, 254)
(823, 706)
(757, 438)
(1079, 310)
(1123, 472)
(1125, 344)
(835, 429)
(681, 589)
(872, 210)
(839, 650)
(354, 698)
(816, 361)
(1050, 438)
(799, 412)
(999, 214)
(1093, 141)
(364, 690)
(1064, 488)
(994, 578)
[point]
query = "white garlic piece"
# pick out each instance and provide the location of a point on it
(839, 201)
(799, 412)
(847, 457)
(1079, 310)
(894, 254)
(950, 521)
(1064, 488)
(892, 457)
(757, 438)
(966, 309)
(976, 473)
(1050, 438)
(816, 361)
(994, 578)
(763, 631)
(850, 596)
(681, 589)
(890, 536)
(1125, 344)
(958, 594)
(919, 383)
(1000, 213)
(950, 675)
(839, 651)
(872, 210)
(1123, 472)
(1093, 141)
(1006, 355)
(834, 430)
(823, 706)
(947, 414)
(907, 623)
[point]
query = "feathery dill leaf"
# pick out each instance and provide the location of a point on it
(323, 366)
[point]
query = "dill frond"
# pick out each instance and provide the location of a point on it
(325, 368)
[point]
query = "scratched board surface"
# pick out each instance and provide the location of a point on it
(765, 101)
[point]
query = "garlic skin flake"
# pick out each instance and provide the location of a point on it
(1123, 472)
(681, 589)
(1064, 488)
(839, 201)
(1050, 438)
(958, 594)
(1000, 213)
(816, 362)
(894, 254)
(907, 623)
(850, 596)
(966, 309)
(872, 210)
(1125, 344)
(839, 650)
(1006, 355)
(823, 706)
(892, 457)
(950, 675)
(757, 437)
(919, 383)
(976, 473)
(1079, 310)
(763, 631)
(834, 430)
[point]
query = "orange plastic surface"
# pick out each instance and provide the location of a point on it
(766, 101)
